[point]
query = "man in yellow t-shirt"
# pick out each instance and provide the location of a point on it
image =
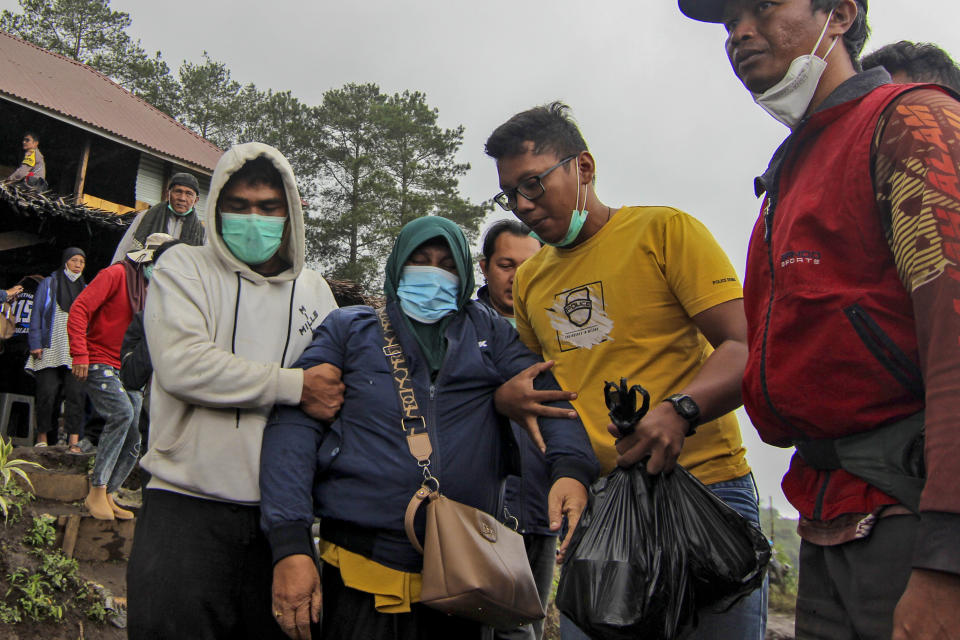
(644, 293)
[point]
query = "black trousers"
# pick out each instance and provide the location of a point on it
(849, 591)
(56, 385)
(348, 613)
(199, 569)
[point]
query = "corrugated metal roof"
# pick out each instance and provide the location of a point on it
(68, 88)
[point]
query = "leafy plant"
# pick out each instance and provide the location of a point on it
(9, 468)
(59, 570)
(9, 615)
(41, 533)
(96, 611)
(36, 597)
(15, 497)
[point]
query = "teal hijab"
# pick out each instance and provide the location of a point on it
(430, 337)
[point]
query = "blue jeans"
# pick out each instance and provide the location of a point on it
(747, 620)
(119, 446)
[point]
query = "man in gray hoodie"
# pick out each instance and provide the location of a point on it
(224, 322)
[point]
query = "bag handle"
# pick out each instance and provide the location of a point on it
(425, 492)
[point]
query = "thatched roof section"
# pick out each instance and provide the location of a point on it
(48, 204)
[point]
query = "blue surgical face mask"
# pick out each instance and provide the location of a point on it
(577, 220)
(252, 238)
(427, 294)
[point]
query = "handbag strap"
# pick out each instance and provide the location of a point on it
(412, 422)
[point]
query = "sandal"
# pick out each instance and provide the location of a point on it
(75, 449)
(40, 444)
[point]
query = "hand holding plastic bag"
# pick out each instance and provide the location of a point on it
(652, 551)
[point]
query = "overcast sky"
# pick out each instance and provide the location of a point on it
(653, 93)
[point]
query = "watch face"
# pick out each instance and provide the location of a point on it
(688, 408)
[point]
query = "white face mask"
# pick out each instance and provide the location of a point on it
(790, 98)
(71, 276)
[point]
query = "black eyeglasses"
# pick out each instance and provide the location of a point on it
(531, 188)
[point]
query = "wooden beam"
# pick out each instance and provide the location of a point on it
(82, 169)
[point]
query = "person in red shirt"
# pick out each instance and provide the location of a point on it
(98, 320)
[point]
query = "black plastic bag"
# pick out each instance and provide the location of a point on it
(652, 551)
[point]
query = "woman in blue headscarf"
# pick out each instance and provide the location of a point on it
(357, 472)
(50, 351)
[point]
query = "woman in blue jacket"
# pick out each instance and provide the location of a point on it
(50, 351)
(357, 473)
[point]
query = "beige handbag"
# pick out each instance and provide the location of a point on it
(474, 567)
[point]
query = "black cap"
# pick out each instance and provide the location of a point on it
(185, 180)
(712, 10)
(69, 252)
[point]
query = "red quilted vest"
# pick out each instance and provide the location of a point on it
(832, 342)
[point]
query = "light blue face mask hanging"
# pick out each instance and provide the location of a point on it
(252, 238)
(577, 220)
(427, 294)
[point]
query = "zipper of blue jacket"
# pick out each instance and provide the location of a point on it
(432, 407)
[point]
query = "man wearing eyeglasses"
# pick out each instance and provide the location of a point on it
(176, 216)
(638, 292)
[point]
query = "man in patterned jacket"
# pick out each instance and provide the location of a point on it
(852, 295)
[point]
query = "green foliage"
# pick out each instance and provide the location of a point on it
(39, 594)
(41, 533)
(385, 161)
(10, 494)
(9, 615)
(36, 598)
(212, 105)
(96, 611)
(58, 569)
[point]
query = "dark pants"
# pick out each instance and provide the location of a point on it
(199, 569)
(348, 613)
(56, 385)
(542, 554)
(849, 591)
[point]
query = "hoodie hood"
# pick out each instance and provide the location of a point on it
(416, 233)
(292, 248)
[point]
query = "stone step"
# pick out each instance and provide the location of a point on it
(56, 484)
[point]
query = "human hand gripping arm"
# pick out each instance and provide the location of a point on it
(519, 400)
(715, 388)
(573, 465)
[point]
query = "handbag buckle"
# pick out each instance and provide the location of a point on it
(412, 430)
(392, 350)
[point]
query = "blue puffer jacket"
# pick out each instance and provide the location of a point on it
(41, 316)
(357, 473)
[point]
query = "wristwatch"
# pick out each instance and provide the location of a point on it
(687, 408)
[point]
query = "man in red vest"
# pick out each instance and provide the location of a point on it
(852, 295)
